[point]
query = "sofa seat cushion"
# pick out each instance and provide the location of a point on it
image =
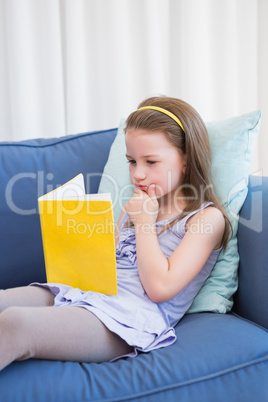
(213, 353)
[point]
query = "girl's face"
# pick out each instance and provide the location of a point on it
(154, 160)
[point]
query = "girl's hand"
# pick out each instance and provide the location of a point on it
(143, 207)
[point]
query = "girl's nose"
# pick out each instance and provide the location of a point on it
(139, 173)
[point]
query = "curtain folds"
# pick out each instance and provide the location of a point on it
(69, 66)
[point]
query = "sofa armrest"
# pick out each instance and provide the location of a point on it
(251, 299)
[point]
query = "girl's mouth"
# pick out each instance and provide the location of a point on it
(141, 187)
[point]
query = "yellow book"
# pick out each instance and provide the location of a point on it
(78, 238)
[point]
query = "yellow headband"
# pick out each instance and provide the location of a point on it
(160, 109)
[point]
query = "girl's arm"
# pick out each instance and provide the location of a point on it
(164, 278)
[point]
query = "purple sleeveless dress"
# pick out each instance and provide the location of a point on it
(142, 323)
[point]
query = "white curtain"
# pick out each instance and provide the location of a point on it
(70, 66)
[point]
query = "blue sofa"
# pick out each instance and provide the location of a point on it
(217, 357)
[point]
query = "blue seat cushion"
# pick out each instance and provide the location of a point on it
(213, 353)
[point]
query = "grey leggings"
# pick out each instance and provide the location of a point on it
(30, 327)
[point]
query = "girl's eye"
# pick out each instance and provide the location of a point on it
(131, 161)
(151, 162)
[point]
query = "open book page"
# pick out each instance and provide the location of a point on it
(74, 189)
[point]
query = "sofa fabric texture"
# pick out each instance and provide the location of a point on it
(217, 357)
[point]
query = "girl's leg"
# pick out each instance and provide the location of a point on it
(56, 333)
(28, 296)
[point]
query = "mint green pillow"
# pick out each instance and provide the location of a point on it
(232, 142)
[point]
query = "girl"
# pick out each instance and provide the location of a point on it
(168, 238)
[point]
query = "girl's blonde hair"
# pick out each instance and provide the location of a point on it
(193, 142)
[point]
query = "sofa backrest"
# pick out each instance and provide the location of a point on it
(29, 169)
